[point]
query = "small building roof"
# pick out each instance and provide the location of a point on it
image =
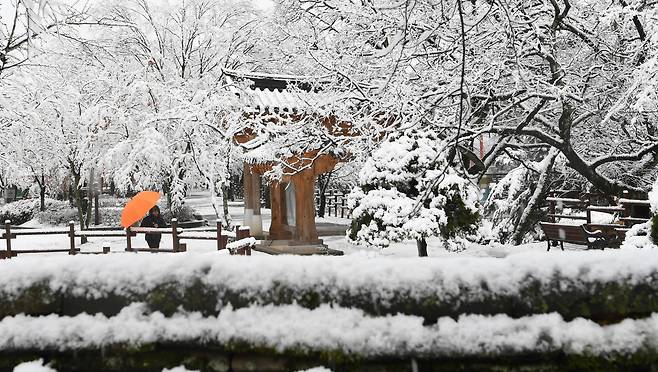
(279, 93)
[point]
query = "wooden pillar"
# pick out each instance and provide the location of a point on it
(305, 207)
(129, 245)
(8, 237)
(252, 216)
(174, 234)
(279, 227)
(71, 237)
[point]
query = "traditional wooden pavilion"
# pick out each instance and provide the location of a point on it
(292, 196)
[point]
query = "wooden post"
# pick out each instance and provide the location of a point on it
(182, 247)
(106, 250)
(174, 234)
(305, 229)
(219, 235)
(342, 207)
(129, 245)
(242, 234)
(8, 237)
(72, 237)
(223, 240)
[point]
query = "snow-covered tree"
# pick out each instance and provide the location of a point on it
(181, 115)
(409, 190)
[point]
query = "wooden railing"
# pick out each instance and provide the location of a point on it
(241, 241)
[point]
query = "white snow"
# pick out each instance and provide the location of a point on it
(33, 366)
(179, 369)
(96, 274)
(334, 328)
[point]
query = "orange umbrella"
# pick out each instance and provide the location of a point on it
(138, 206)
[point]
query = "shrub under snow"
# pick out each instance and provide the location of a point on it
(408, 190)
(603, 286)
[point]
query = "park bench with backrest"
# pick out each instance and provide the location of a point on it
(594, 235)
(575, 234)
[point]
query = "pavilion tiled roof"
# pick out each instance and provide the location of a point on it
(278, 93)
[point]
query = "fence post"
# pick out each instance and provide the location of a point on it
(342, 207)
(182, 247)
(219, 235)
(242, 234)
(72, 237)
(8, 237)
(336, 205)
(129, 245)
(106, 250)
(174, 234)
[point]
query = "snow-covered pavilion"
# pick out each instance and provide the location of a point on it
(269, 100)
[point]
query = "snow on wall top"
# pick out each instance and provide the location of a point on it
(335, 328)
(382, 276)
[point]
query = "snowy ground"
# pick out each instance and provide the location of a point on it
(331, 228)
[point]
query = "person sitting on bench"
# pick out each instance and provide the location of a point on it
(154, 219)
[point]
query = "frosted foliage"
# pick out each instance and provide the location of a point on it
(142, 162)
(403, 191)
(506, 201)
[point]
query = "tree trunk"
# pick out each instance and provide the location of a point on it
(79, 200)
(42, 194)
(227, 216)
(422, 247)
(323, 184)
(42, 198)
(525, 222)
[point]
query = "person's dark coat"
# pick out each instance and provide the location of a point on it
(153, 240)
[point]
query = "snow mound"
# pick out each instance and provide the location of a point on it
(179, 369)
(94, 276)
(328, 328)
(33, 366)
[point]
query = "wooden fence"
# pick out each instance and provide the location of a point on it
(336, 204)
(241, 241)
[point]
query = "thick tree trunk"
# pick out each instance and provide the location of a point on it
(42, 198)
(422, 247)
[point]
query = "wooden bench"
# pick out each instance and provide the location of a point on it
(575, 234)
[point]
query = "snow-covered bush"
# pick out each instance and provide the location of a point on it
(408, 190)
(19, 212)
(61, 215)
(184, 213)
